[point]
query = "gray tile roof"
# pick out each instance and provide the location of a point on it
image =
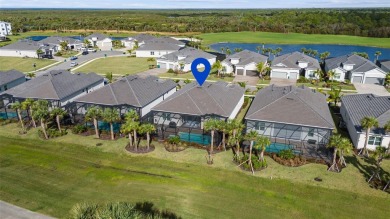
(99, 36)
(165, 40)
(58, 39)
(384, 65)
(189, 54)
(9, 76)
(131, 90)
(246, 57)
(55, 85)
(291, 105)
(359, 63)
(290, 60)
(25, 44)
(359, 106)
(155, 46)
(143, 37)
(219, 98)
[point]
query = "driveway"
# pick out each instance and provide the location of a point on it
(283, 82)
(153, 72)
(81, 59)
(8, 211)
(250, 80)
(371, 89)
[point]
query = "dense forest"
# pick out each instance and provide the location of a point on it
(359, 22)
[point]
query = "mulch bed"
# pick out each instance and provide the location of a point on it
(295, 162)
(172, 148)
(140, 149)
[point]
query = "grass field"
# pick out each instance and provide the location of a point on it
(23, 64)
(293, 38)
(52, 176)
(116, 65)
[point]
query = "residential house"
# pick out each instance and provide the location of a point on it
(28, 48)
(158, 47)
(102, 41)
(58, 87)
(73, 44)
(184, 113)
(243, 63)
(183, 59)
(165, 40)
(293, 65)
(10, 79)
(356, 69)
(129, 93)
(5, 30)
(296, 118)
(355, 107)
(139, 40)
(384, 65)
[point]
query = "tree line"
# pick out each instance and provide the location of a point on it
(360, 22)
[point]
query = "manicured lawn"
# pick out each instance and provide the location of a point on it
(23, 64)
(243, 111)
(343, 86)
(211, 77)
(292, 38)
(116, 65)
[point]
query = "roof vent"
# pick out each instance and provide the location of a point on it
(290, 98)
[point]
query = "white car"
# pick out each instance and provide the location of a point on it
(73, 64)
(91, 50)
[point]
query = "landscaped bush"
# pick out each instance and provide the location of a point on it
(246, 101)
(174, 140)
(257, 165)
(286, 154)
(8, 121)
(175, 145)
(302, 79)
(78, 129)
(58, 53)
(288, 158)
(52, 133)
(267, 78)
(171, 71)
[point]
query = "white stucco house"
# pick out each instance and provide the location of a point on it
(293, 65)
(28, 48)
(140, 39)
(355, 107)
(243, 63)
(185, 57)
(5, 29)
(73, 44)
(102, 41)
(155, 50)
(356, 69)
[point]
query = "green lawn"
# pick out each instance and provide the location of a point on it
(117, 65)
(343, 86)
(292, 38)
(52, 176)
(23, 64)
(189, 75)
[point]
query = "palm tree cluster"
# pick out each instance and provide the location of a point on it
(309, 52)
(341, 146)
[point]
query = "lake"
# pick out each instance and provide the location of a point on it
(335, 50)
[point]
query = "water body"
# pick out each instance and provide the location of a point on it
(38, 38)
(335, 50)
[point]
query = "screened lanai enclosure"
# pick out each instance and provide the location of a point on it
(188, 127)
(302, 140)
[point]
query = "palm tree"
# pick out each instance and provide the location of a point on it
(64, 46)
(228, 51)
(94, 114)
(218, 66)
(31, 75)
(87, 43)
(147, 128)
(378, 156)
(386, 127)
(41, 113)
(223, 127)
(334, 143)
(331, 74)
(39, 53)
(133, 126)
(261, 68)
(58, 113)
(110, 116)
(17, 106)
(258, 49)
(109, 77)
(335, 94)
(132, 115)
(367, 123)
(235, 127)
(345, 146)
(251, 136)
(324, 56)
(127, 128)
(278, 50)
(28, 106)
(242, 84)
(377, 54)
(319, 74)
(211, 125)
(223, 50)
(262, 142)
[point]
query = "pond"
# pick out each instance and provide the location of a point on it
(335, 50)
(38, 38)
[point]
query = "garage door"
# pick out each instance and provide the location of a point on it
(279, 75)
(251, 73)
(357, 79)
(240, 71)
(293, 75)
(374, 81)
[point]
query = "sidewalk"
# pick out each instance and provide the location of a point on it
(9, 211)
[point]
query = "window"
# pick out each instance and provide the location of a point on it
(336, 76)
(311, 132)
(261, 126)
(374, 140)
(5, 87)
(152, 53)
(166, 116)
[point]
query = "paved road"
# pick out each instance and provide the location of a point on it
(8, 211)
(81, 59)
(371, 89)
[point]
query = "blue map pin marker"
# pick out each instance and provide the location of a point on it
(200, 76)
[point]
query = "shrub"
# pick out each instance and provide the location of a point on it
(171, 71)
(347, 81)
(267, 78)
(58, 53)
(77, 129)
(286, 154)
(302, 79)
(246, 101)
(174, 140)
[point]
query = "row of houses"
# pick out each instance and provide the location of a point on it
(291, 116)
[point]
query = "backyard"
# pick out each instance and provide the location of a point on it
(119, 66)
(23, 64)
(52, 176)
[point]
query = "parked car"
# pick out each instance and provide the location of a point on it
(73, 64)
(91, 50)
(73, 58)
(85, 53)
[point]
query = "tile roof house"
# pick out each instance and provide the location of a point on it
(184, 56)
(131, 92)
(356, 69)
(355, 107)
(243, 63)
(384, 65)
(28, 48)
(10, 79)
(184, 112)
(58, 87)
(293, 65)
(139, 39)
(73, 43)
(102, 41)
(294, 116)
(156, 49)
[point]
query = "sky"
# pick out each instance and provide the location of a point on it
(127, 4)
